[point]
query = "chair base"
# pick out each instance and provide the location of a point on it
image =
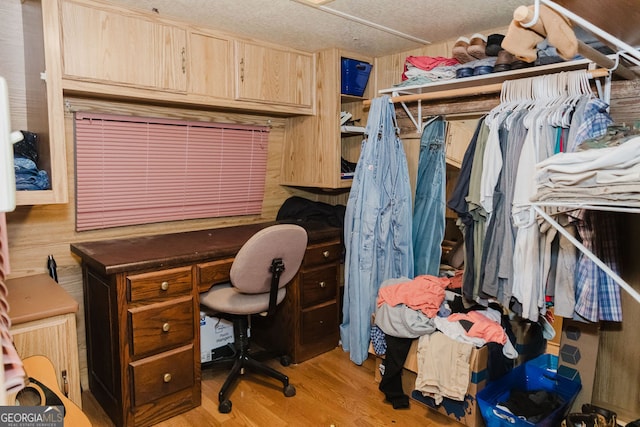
(241, 361)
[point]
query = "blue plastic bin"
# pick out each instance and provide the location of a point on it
(355, 76)
(537, 374)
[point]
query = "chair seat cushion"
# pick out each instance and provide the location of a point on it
(226, 299)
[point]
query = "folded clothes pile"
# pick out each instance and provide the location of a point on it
(608, 175)
(25, 153)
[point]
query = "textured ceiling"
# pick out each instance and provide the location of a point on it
(298, 25)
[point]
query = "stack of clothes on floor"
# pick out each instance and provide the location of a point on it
(425, 308)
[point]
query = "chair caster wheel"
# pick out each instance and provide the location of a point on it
(285, 360)
(225, 406)
(289, 391)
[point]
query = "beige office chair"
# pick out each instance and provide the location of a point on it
(260, 271)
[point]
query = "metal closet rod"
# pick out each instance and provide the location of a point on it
(468, 91)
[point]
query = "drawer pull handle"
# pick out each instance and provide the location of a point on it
(166, 327)
(164, 286)
(322, 322)
(322, 284)
(326, 254)
(166, 378)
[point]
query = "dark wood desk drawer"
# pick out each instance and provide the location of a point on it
(319, 285)
(319, 323)
(162, 374)
(211, 273)
(161, 326)
(159, 284)
(322, 253)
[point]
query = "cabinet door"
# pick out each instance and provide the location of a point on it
(54, 337)
(106, 45)
(209, 65)
(459, 134)
(317, 140)
(273, 75)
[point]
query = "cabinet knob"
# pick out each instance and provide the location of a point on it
(166, 378)
(166, 327)
(326, 254)
(322, 322)
(164, 286)
(322, 284)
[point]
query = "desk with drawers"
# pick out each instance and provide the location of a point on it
(141, 300)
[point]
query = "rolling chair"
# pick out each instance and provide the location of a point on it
(259, 273)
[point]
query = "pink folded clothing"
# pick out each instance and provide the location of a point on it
(427, 63)
(424, 293)
(483, 327)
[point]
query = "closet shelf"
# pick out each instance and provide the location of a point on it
(475, 85)
(352, 129)
(478, 85)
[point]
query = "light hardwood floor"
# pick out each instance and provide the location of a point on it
(331, 391)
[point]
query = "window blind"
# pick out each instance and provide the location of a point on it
(133, 170)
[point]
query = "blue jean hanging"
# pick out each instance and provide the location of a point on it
(429, 210)
(377, 226)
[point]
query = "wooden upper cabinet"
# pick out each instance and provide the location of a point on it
(318, 140)
(110, 46)
(210, 65)
(459, 135)
(274, 75)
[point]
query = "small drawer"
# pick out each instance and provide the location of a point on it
(322, 253)
(159, 284)
(318, 285)
(319, 323)
(162, 375)
(161, 326)
(211, 273)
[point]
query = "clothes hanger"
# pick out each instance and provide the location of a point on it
(431, 120)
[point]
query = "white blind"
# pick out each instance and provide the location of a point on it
(133, 170)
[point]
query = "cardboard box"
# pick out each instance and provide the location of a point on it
(215, 334)
(578, 355)
(466, 412)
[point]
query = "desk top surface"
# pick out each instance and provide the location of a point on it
(165, 250)
(37, 297)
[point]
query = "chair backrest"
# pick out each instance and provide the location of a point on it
(250, 272)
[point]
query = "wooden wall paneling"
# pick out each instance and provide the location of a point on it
(35, 232)
(618, 371)
(12, 64)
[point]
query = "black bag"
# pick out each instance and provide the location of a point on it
(301, 209)
(28, 147)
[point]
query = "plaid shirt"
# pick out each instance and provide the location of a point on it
(595, 123)
(597, 294)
